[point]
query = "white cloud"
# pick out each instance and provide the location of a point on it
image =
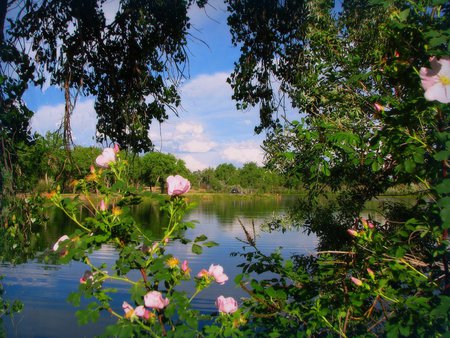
(192, 163)
(182, 137)
(189, 128)
(209, 129)
(47, 118)
(83, 121)
(197, 146)
(242, 152)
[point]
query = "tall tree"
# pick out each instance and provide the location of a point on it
(132, 65)
(156, 167)
(227, 173)
(15, 72)
(334, 60)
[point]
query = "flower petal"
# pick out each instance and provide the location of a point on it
(438, 92)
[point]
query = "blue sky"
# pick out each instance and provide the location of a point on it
(209, 129)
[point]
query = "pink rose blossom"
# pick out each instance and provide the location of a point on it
(155, 300)
(226, 305)
(177, 185)
(108, 156)
(356, 281)
(436, 81)
(61, 239)
(142, 312)
(217, 272)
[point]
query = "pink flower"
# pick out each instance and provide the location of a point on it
(129, 311)
(88, 275)
(155, 300)
(378, 106)
(226, 305)
(102, 205)
(436, 81)
(356, 281)
(177, 185)
(61, 239)
(108, 156)
(185, 267)
(352, 232)
(202, 273)
(116, 148)
(366, 223)
(217, 272)
(142, 312)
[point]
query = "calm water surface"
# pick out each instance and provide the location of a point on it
(43, 288)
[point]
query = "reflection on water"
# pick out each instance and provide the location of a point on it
(43, 288)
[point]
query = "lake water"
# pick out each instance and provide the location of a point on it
(43, 288)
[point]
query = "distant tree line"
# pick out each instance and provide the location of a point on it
(46, 164)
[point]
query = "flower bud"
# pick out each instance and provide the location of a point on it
(352, 232)
(356, 281)
(371, 273)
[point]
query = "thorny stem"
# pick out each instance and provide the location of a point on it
(145, 327)
(333, 328)
(197, 291)
(160, 318)
(72, 217)
(105, 275)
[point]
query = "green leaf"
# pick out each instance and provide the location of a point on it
(200, 238)
(74, 298)
(210, 244)
(197, 249)
(443, 187)
(404, 330)
(410, 165)
(442, 155)
(289, 155)
(238, 278)
(404, 15)
(91, 314)
(138, 291)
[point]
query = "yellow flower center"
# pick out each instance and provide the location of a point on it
(172, 262)
(445, 80)
(116, 211)
(129, 314)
